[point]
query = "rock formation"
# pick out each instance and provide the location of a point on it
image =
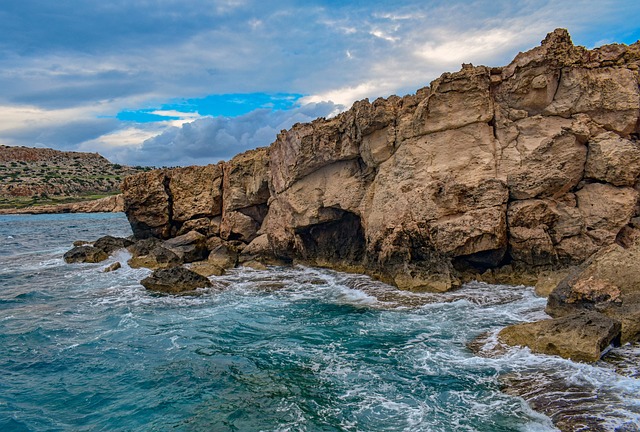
(531, 167)
(110, 204)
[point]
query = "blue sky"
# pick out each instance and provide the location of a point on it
(170, 82)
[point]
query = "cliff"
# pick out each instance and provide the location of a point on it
(110, 204)
(529, 167)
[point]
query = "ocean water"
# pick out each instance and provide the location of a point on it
(286, 349)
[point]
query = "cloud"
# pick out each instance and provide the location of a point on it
(211, 139)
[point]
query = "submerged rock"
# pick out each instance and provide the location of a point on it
(175, 280)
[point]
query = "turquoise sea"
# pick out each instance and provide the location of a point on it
(286, 349)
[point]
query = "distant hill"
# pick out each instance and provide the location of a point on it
(35, 176)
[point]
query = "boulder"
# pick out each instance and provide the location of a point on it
(175, 280)
(85, 254)
(110, 244)
(609, 282)
(581, 337)
(113, 267)
(154, 258)
(188, 247)
(143, 246)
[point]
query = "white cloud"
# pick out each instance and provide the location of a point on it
(382, 35)
(210, 139)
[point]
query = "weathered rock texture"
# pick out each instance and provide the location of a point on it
(534, 165)
(582, 336)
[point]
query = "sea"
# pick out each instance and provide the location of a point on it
(282, 349)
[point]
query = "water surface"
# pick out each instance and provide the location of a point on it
(286, 349)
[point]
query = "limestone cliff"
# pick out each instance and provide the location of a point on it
(110, 204)
(534, 165)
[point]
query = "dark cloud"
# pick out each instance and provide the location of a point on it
(212, 139)
(64, 136)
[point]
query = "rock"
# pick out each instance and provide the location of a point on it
(550, 158)
(85, 254)
(111, 244)
(246, 192)
(223, 256)
(175, 280)
(580, 337)
(144, 246)
(110, 204)
(260, 250)
(82, 243)
(606, 210)
(155, 258)
(609, 283)
(188, 247)
(608, 95)
(202, 225)
(548, 280)
(613, 160)
(206, 269)
(193, 203)
(255, 265)
(146, 203)
(113, 267)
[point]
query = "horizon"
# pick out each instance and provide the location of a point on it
(195, 84)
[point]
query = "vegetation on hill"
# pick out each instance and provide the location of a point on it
(34, 176)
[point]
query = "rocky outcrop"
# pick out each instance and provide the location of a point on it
(580, 337)
(533, 166)
(86, 252)
(110, 204)
(608, 283)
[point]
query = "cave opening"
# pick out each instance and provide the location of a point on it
(339, 241)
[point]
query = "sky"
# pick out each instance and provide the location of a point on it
(174, 82)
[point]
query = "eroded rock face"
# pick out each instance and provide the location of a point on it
(609, 282)
(147, 204)
(534, 166)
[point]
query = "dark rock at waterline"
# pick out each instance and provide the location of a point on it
(157, 258)
(572, 405)
(85, 254)
(580, 337)
(113, 267)
(111, 244)
(175, 280)
(143, 246)
(189, 247)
